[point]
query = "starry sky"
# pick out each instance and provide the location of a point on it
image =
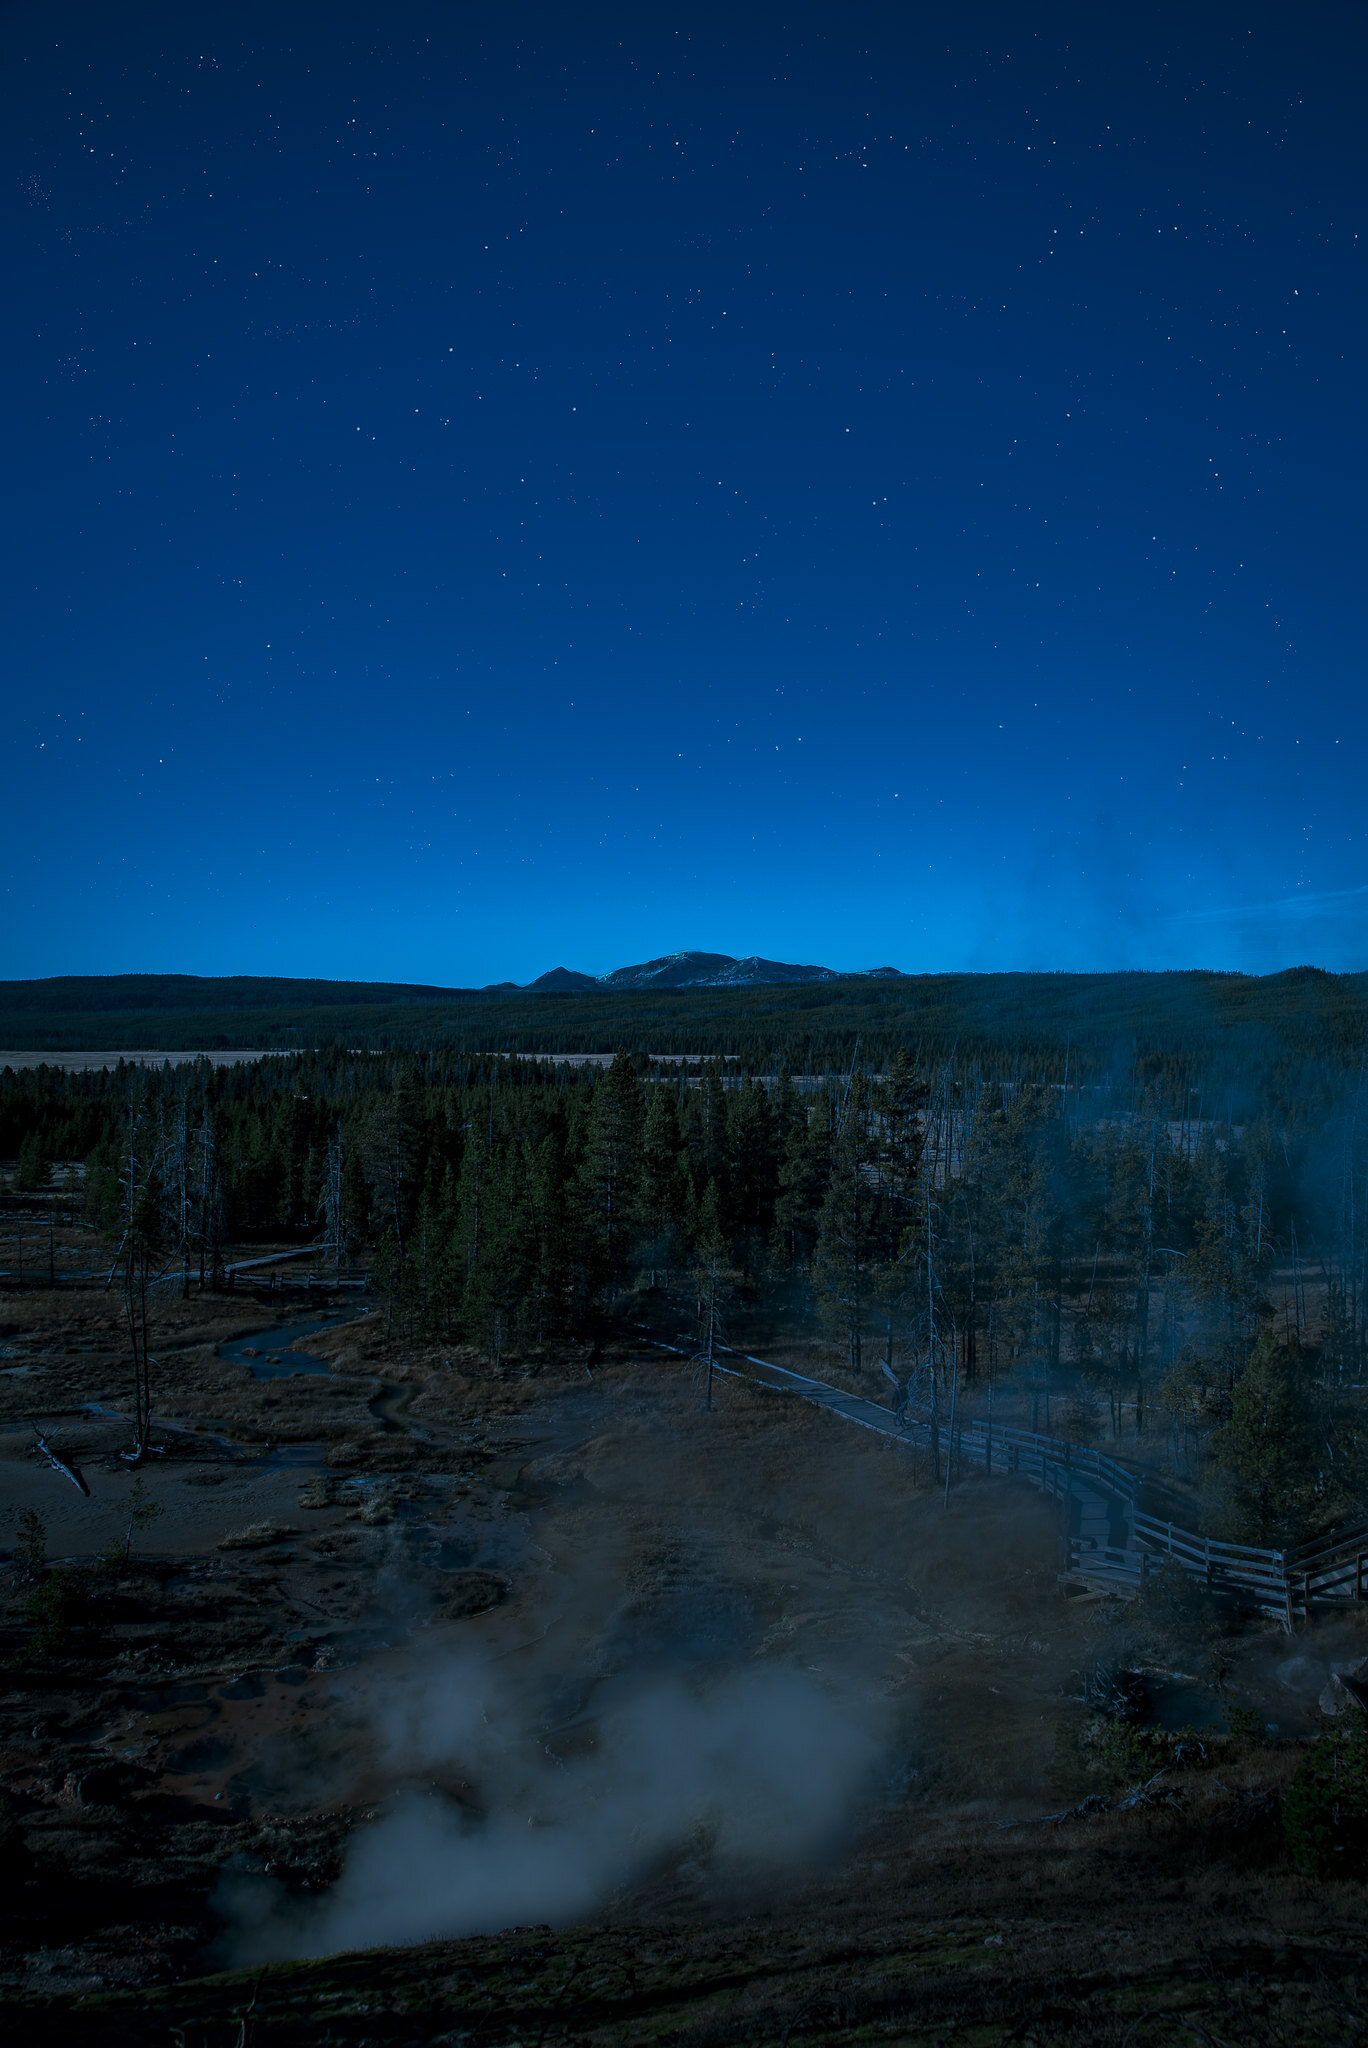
(491, 487)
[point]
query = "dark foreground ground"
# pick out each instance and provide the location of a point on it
(406, 1588)
(826, 1978)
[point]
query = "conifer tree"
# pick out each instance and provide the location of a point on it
(804, 1175)
(900, 1102)
(612, 1163)
(391, 1158)
(1264, 1457)
(751, 1168)
(472, 1201)
(850, 1228)
(665, 1186)
(714, 1284)
(141, 1217)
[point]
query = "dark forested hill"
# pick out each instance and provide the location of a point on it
(162, 994)
(1219, 1030)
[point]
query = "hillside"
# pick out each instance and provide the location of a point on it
(1228, 1031)
(148, 995)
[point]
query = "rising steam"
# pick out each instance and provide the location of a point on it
(757, 1770)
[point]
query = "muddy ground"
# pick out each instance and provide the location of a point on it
(198, 1741)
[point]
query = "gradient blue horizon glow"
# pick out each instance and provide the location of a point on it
(490, 489)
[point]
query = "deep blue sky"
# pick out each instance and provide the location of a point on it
(489, 487)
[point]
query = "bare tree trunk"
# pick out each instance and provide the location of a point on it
(712, 1326)
(950, 1446)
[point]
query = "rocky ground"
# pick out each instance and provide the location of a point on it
(752, 1733)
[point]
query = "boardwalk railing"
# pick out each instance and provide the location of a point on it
(1243, 1569)
(1332, 1566)
(1026, 1452)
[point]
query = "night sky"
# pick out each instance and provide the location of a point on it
(489, 487)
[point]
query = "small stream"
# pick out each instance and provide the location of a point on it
(390, 1408)
(270, 1354)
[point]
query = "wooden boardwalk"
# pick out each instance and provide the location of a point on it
(1110, 1542)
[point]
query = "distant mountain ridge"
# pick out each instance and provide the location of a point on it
(159, 994)
(700, 970)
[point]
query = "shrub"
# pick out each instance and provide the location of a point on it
(1325, 1808)
(66, 1598)
(1266, 1464)
(1178, 1608)
(1139, 1753)
(33, 1168)
(1081, 1422)
(142, 1510)
(257, 1536)
(1246, 1726)
(30, 1550)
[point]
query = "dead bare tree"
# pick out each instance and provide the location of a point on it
(138, 1190)
(332, 1204)
(708, 1353)
(175, 1188)
(209, 1199)
(714, 1284)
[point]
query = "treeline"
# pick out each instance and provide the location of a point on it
(1279, 1043)
(1120, 1267)
(943, 1230)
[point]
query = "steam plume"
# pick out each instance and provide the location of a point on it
(761, 1768)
